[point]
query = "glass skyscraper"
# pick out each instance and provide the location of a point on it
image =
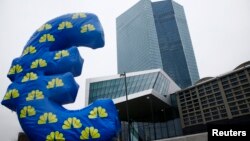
(155, 35)
(137, 43)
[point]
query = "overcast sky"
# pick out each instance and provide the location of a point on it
(219, 29)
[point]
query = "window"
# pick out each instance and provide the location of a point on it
(208, 118)
(224, 79)
(203, 98)
(211, 100)
(241, 102)
(241, 73)
(216, 89)
(200, 120)
(235, 112)
(189, 102)
(219, 101)
(196, 104)
(243, 81)
(217, 94)
(230, 99)
(229, 95)
(223, 115)
(193, 122)
(212, 104)
(240, 97)
(247, 94)
(202, 94)
(194, 96)
(233, 108)
(226, 86)
(247, 90)
(245, 86)
(228, 92)
(206, 111)
(233, 80)
(207, 114)
(236, 88)
(205, 106)
(234, 83)
(244, 111)
(199, 117)
(197, 108)
(223, 111)
(216, 117)
(243, 106)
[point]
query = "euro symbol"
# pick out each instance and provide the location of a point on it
(43, 80)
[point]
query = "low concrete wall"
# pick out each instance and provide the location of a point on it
(193, 137)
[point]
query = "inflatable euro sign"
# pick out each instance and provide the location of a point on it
(43, 80)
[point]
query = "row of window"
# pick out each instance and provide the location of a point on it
(192, 118)
(237, 91)
(233, 76)
(215, 113)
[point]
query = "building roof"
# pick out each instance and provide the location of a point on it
(207, 79)
(203, 80)
(245, 64)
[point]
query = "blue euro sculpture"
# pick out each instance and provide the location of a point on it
(43, 80)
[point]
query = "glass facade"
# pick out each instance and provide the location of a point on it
(148, 131)
(164, 124)
(175, 43)
(137, 44)
(115, 88)
(155, 35)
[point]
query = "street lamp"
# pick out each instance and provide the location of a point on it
(127, 108)
(152, 114)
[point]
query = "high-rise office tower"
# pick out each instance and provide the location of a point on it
(155, 35)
